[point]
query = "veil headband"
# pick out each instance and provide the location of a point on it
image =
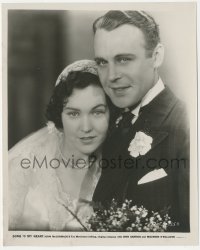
(81, 65)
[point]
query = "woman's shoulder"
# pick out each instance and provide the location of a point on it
(40, 145)
(40, 141)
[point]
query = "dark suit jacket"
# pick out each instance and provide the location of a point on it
(164, 119)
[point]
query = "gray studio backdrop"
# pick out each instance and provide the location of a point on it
(42, 42)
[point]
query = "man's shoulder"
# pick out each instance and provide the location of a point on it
(169, 103)
(167, 112)
(178, 112)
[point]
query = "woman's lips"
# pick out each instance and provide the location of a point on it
(87, 139)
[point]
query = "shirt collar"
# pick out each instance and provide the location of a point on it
(150, 95)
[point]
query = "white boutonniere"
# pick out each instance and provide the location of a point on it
(140, 145)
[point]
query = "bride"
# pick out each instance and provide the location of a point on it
(54, 171)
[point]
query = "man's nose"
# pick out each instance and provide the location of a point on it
(113, 73)
(86, 125)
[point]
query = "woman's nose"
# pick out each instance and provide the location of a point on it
(86, 125)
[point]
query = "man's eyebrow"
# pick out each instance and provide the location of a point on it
(116, 56)
(125, 54)
(99, 59)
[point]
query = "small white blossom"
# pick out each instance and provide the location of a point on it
(144, 214)
(129, 218)
(133, 208)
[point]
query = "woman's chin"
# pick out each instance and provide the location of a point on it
(89, 149)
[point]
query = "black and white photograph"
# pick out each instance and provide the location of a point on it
(100, 124)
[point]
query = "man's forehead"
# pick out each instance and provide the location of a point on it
(125, 29)
(121, 40)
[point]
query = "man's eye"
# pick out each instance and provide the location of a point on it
(73, 114)
(123, 59)
(101, 62)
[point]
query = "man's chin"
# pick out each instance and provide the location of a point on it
(122, 104)
(125, 101)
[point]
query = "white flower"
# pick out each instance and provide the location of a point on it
(120, 214)
(164, 225)
(151, 219)
(51, 127)
(144, 214)
(114, 222)
(134, 208)
(140, 145)
(123, 205)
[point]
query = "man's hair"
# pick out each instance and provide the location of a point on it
(140, 19)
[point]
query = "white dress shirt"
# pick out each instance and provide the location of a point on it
(150, 95)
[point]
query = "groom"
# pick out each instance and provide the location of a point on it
(146, 155)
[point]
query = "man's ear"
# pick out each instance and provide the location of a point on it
(158, 55)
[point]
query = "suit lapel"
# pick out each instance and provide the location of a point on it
(150, 122)
(151, 119)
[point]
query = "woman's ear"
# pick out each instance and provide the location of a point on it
(158, 55)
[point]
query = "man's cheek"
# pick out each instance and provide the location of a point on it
(102, 77)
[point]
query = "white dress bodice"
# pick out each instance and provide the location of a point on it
(37, 198)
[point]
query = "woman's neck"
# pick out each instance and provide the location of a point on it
(74, 169)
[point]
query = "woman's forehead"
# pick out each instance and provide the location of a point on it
(86, 98)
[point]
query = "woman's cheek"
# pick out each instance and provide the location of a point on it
(102, 124)
(70, 124)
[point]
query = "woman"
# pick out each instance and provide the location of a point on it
(54, 171)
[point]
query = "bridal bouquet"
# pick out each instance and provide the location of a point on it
(127, 218)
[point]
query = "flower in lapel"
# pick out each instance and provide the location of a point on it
(140, 145)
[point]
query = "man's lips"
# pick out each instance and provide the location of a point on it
(120, 90)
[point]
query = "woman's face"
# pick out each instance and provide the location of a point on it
(85, 119)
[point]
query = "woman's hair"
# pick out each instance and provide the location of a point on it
(74, 80)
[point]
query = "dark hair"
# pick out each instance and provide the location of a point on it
(140, 19)
(74, 80)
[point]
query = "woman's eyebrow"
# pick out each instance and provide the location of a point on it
(76, 109)
(100, 105)
(71, 108)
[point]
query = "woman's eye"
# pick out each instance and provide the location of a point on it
(99, 112)
(73, 114)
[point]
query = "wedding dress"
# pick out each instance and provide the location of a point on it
(37, 200)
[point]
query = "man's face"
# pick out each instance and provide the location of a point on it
(125, 71)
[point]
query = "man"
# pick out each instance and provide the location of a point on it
(146, 155)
